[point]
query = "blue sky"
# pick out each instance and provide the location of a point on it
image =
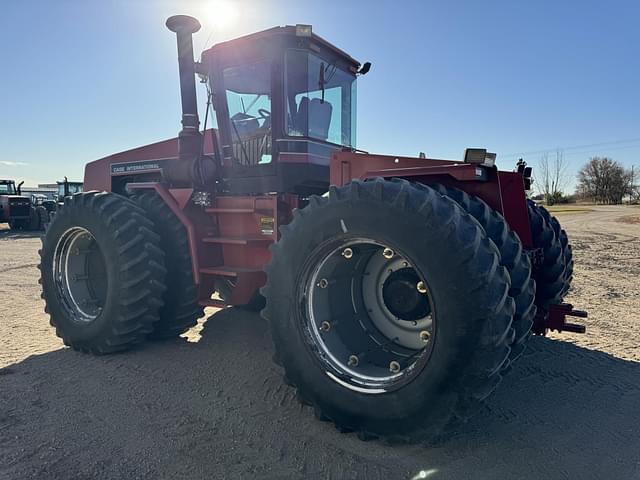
(81, 79)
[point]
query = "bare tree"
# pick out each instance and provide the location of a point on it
(551, 177)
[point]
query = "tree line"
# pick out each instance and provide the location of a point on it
(600, 180)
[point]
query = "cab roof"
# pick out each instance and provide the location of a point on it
(286, 37)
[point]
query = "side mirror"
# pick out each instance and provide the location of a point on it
(364, 69)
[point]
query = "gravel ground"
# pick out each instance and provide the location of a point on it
(212, 405)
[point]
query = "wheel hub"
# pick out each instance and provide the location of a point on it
(368, 312)
(401, 296)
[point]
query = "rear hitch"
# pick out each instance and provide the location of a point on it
(555, 319)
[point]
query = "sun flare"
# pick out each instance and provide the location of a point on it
(222, 14)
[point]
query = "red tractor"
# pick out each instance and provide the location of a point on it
(16, 209)
(398, 290)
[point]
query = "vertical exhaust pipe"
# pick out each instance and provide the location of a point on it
(189, 138)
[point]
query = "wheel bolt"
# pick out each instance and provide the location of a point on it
(421, 287)
(347, 253)
(424, 336)
(387, 253)
(325, 326)
(394, 367)
(353, 361)
(323, 283)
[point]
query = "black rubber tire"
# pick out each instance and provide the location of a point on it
(256, 304)
(15, 224)
(472, 344)
(135, 272)
(34, 220)
(181, 310)
(43, 216)
(513, 258)
(567, 252)
(550, 274)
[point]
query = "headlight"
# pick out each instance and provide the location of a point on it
(479, 156)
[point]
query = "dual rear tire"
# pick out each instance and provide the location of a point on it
(113, 273)
(327, 322)
(554, 270)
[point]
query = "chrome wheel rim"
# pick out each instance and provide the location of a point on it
(368, 314)
(80, 275)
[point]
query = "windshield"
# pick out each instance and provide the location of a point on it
(321, 99)
(8, 188)
(248, 92)
(72, 187)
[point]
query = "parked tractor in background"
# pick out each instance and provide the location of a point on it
(44, 208)
(67, 188)
(16, 209)
(399, 290)
(47, 208)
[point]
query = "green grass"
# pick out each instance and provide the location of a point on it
(561, 209)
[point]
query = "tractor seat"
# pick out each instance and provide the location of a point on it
(314, 118)
(245, 125)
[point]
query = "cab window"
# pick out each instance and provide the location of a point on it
(320, 99)
(248, 93)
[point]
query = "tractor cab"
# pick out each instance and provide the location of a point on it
(8, 187)
(284, 100)
(67, 188)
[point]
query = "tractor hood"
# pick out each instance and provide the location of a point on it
(149, 158)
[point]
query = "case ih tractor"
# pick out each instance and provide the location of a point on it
(398, 290)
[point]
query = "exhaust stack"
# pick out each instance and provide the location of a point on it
(189, 138)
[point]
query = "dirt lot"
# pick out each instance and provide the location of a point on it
(214, 406)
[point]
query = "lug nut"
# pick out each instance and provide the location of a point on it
(323, 283)
(394, 367)
(387, 253)
(347, 253)
(353, 361)
(325, 326)
(424, 336)
(421, 287)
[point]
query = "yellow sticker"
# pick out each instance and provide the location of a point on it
(267, 225)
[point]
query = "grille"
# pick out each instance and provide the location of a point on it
(19, 208)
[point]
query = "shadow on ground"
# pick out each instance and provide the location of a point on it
(8, 233)
(218, 409)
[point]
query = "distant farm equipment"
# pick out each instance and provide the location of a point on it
(16, 209)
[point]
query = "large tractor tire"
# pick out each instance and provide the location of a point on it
(567, 251)
(43, 217)
(17, 224)
(550, 273)
(102, 273)
(513, 258)
(34, 220)
(389, 309)
(181, 309)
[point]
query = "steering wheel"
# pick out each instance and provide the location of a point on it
(266, 114)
